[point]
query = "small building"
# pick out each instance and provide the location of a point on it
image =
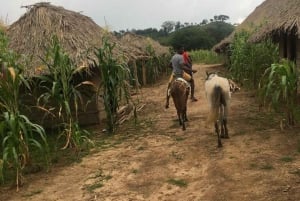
(278, 20)
(78, 35)
(146, 49)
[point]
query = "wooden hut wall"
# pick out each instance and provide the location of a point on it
(298, 53)
(87, 113)
(282, 46)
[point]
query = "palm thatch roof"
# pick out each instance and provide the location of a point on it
(77, 33)
(269, 18)
(140, 43)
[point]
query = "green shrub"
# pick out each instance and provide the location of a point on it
(206, 56)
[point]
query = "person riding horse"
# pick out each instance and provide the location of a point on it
(179, 71)
(188, 61)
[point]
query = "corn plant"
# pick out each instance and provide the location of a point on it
(62, 93)
(249, 61)
(113, 87)
(278, 88)
(18, 135)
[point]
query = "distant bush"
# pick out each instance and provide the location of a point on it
(206, 56)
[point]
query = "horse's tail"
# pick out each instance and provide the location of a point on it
(216, 99)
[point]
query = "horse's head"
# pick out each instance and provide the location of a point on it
(209, 75)
(233, 86)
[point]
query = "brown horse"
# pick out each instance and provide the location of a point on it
(179, 90)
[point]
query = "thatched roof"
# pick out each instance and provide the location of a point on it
(271, 17)
(140, 43)
(77, 34)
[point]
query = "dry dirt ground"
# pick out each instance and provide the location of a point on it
(155, 160)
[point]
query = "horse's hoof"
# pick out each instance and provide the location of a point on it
(220, 145)
(226, 137)
(167, 106)
(222, 136)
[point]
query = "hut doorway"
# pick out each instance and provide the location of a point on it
(288, 47)
(292, 48)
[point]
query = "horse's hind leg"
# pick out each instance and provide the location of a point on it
(218, 134)
(181, 120)
(223, 120)
(168, 96)
(183, 124)
(184, 115)
(225, 128)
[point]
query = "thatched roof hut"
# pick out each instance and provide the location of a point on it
(140, 43)
(271, 18)
(277, 20)
(77, 33)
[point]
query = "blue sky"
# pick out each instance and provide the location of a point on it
(140, 14)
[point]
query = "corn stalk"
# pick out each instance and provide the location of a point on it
(113, 87)
(278, 88)
(18, 135)
(62, 93)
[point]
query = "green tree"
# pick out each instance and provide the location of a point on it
(168, 26)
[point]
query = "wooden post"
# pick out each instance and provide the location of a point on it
(298, 54)
(144, 73)
(137, 84)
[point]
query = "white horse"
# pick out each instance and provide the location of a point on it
(218, 93)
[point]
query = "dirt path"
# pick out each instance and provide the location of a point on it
(158, 161)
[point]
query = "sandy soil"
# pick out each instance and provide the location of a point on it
(156, 160)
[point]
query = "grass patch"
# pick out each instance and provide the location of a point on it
(100, 178)
(287, 159)
(267, 167)
(176, 155)
(94, 186)
(141, 148)
(135, 171)
(298, 147)
(253, 165)
(263, 165)
(32, 193)
(179, 139)
(295, 172)
(178, 182)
